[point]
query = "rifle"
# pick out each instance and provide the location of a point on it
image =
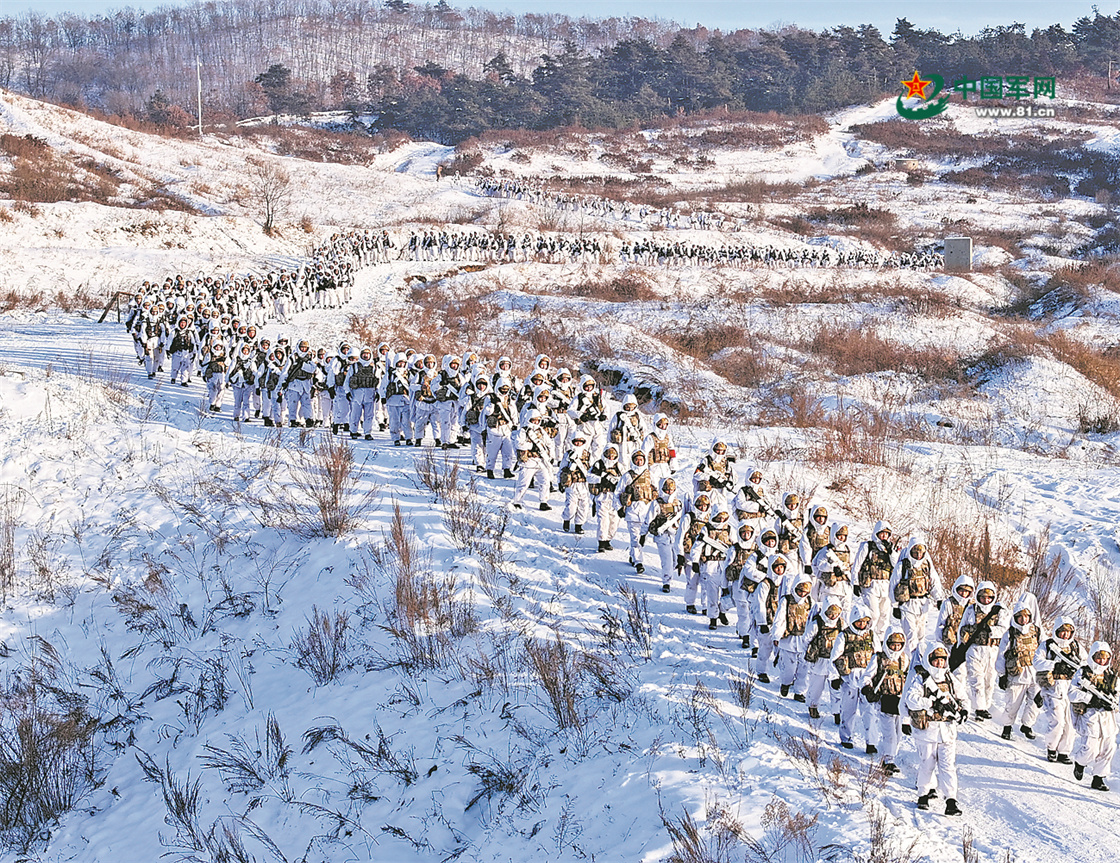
(1110, 701)
(960, 650)
(670, 524)
(713, 543)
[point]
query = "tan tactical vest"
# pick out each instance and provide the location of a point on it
(829, 578)
(858, 650)
(694, 528)
(719, 534)
(797, 615)
(921, 719)
(820, 645)
(876, 566)
(915, 581)
(666, 510)
(660, 452)
(894, 673)
(1021, 647)
(949, 630)
(818, 536)
(739, 558)
(787, 540)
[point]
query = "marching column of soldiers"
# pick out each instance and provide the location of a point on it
(653, 251)
(862, 630)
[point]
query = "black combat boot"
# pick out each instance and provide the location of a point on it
(578, 528)
(1006, 735)
(1028, 732)
(1098, 784)
(923, 802)
(951, 807)
(711, 623)
(567, 526)
(784, 689)
(814, 713)
(1078, 772)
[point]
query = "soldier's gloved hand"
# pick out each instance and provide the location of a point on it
(765, 630)
(1003, 682)
(963, 718)
(897, 613)
(680, 561)
(696, 568)
(642, 540)
(835, 683)
(867, 691)
(622, 512)
(906, 728)
(1038, 699)
(857, 590)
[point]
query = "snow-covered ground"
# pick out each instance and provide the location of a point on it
(157, 553)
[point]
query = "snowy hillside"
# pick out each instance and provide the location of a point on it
(448, 678)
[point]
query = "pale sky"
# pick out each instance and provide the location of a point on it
(948, 16)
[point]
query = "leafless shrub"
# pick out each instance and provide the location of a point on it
(632, 629)
(631, 286)
(1098, 416)
(969, 852)
(326, 495)
(193, 843)
(11, 506)
(557, 669)
(500, 778)
(439, 475)
(692, 715)
(573, 679)
(323, 648)
(966, 548)
(786, 831)
(860, 350)
(382, 759)
(1052, 584)
(48, 749)
(248, 767)
(719, 841)
(426, 616)
(828, 775)
(702, 340)
(47, 563)
(884, 845)
(742, 689)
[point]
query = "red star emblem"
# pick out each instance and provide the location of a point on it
(916, 86)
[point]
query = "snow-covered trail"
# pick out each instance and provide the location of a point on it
(1012, 798)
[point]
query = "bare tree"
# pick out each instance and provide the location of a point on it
(272, 188)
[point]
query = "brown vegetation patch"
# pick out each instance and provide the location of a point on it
(854, 351)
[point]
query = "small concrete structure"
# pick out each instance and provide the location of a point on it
(958, 254)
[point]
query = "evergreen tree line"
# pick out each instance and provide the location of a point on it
(445, 74)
